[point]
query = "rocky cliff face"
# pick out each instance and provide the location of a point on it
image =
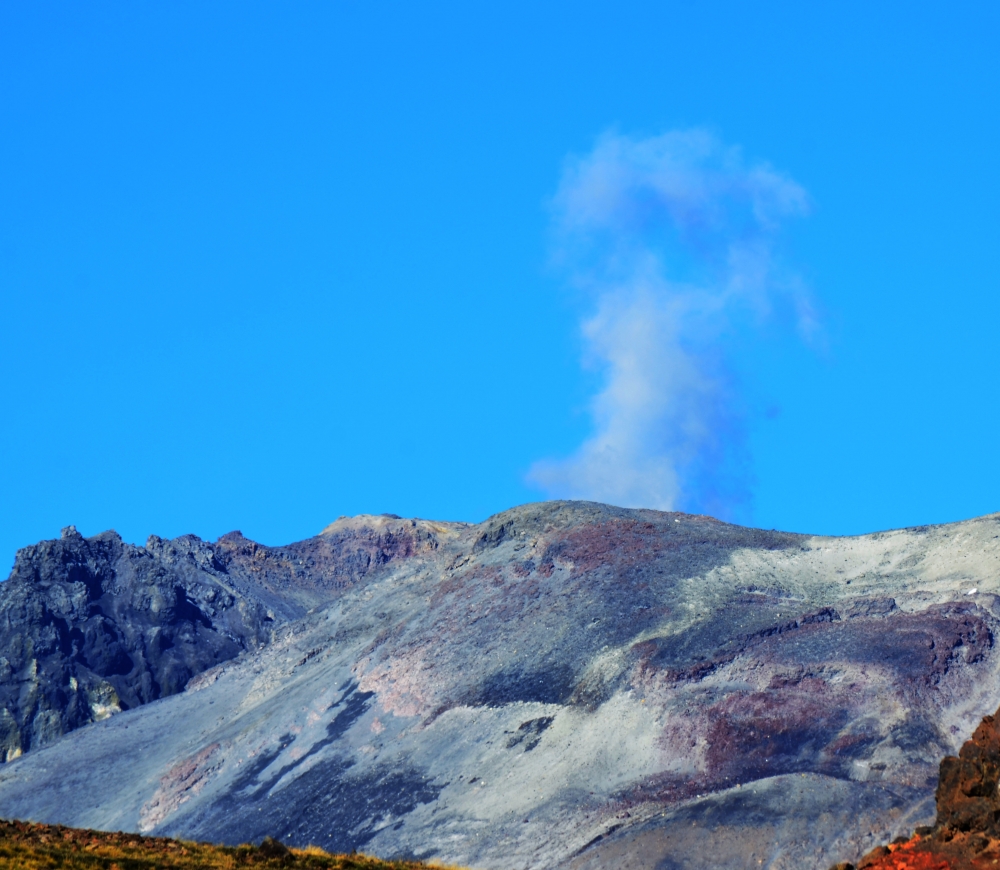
(565, 685)
(90, 627)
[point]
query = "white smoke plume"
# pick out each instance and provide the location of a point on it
(673, 241)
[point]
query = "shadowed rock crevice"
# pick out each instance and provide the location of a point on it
(529, 734)
(546, 685)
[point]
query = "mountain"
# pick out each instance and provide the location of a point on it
(565, 685)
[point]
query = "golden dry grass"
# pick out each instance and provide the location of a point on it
(28, 846)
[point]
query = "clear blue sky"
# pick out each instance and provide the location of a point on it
(262, 265)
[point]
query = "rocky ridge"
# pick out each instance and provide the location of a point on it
(93, 626)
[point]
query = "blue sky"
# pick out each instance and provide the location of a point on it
(262, 265)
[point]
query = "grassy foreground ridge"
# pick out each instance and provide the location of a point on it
(29, 846)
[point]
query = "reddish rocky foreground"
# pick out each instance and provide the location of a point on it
(966, 834)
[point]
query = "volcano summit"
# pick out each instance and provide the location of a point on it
(565, 685)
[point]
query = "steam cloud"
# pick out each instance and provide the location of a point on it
(673, 241)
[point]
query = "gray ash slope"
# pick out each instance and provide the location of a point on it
(571, 685)
(92, 626)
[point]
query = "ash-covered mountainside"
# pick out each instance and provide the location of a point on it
(93, 626)
(571, 685)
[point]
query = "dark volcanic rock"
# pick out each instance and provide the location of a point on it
(89, 627)
(967, 795)
(93, 626)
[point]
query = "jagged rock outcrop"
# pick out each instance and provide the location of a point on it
(566, 685)
(966, 832)
(316, 571)
(93, 626)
